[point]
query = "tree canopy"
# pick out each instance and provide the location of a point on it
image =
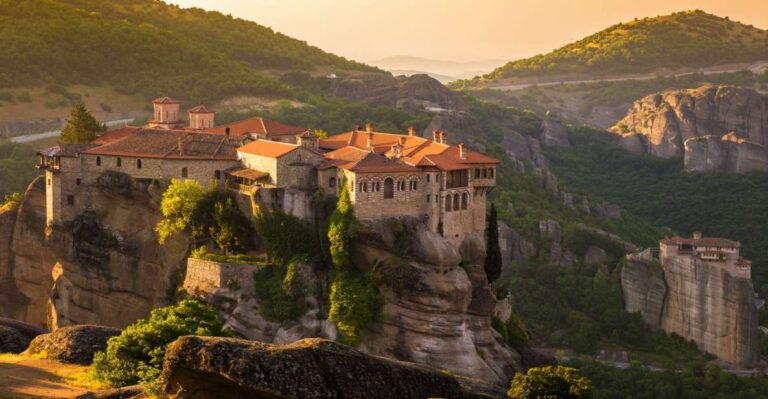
(81, 127)
(550, 383)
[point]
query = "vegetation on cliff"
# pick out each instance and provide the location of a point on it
(136, 355)
(127, 45)
(355, 302)
(17, 167)
(81, 126)
(690, 39)
(550, 382)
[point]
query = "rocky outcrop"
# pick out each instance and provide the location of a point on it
(644, 289)
(554, 134)
(15, 336)
(416, 93)
(73, 344)
(700, 302)
(105, 267)
(206, 367)
(715, 128)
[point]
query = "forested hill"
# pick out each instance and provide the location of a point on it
(691, 39)
(150, 48)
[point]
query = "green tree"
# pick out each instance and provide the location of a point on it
(550, 383)
(177, 206)
(493, 251)
(231, 230)
(81, 126)
(136, 355)
(338, 230)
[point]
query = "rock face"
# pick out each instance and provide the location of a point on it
(702, 302)
(105, 267)
(205, 367)
(408, 93)
(73, 344)
(553, 134)
(15, 336)
(715, 128)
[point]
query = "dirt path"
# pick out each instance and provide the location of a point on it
(37, 378)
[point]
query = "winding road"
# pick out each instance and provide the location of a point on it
(756, 68)
(55, 133)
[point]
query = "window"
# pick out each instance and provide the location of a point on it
(428, 198)
(428, 177)
(447, 203)
(331, 182)
(376, 186)
(401, 185)
(49, 182)
(217, 175)
(485, 173)
(477, 173)
(138, 165)
(70, 200)
(490, 173)
(77, 181)
(184, 172)
(98, 161)
(464, 200)
(389, 188)
(413, 185)
(456, 202)
(119, 162)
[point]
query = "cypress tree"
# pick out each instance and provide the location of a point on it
(81, 127)
(493, 251)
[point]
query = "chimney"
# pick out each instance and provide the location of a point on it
(226, 132)
(369, 127)
(357, 127)
(411, 131)
(441, 136)
(181, 147)
(697, 235)
(462, 152)
(370, 139)
(436, 136)
(397, 148)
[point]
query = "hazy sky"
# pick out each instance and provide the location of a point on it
(461, 30)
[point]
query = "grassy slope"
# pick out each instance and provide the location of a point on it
(685, 39)
(150, 48)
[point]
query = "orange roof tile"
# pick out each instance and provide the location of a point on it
(164, 100)
(113, 135)
(704, 242)
(268, 148)
(168, 144)
(259, 126)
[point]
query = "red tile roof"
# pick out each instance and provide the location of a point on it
(168, 144)
(702, 242)
(259, 126)
(200, 109)
(112, 135)
(268, 148)
(164, 100)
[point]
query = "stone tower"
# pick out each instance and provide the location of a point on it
(166, 114)
(200, 117)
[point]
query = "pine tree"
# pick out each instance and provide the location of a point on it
(81, 127)
(493, 251)
(338, 230)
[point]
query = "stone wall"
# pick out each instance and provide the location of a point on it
(297, 169)
(207, 276)
(372, 204)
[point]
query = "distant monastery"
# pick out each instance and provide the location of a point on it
(388, 174)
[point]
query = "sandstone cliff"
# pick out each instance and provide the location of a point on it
(103, 268)
(703, 303)
(437, 303)
(715, 128)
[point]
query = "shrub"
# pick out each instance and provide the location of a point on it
(136, 355)
(550, 382)
(280, 294)
(178, 206)
(355, 303)
(285, 236)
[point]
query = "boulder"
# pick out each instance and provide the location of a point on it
(73, 344)
(430, 247)
(595, 256)
(208, 367)
(15, 336)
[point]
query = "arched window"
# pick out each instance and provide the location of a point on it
(331, 182)
(119, 162)
(413, 185)
(389, 189)
(464, 200)
(490, 173)
(456, 202)
(184, 172)
(98, 161)
(447, 203)
(138, 165)
(217, 175)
